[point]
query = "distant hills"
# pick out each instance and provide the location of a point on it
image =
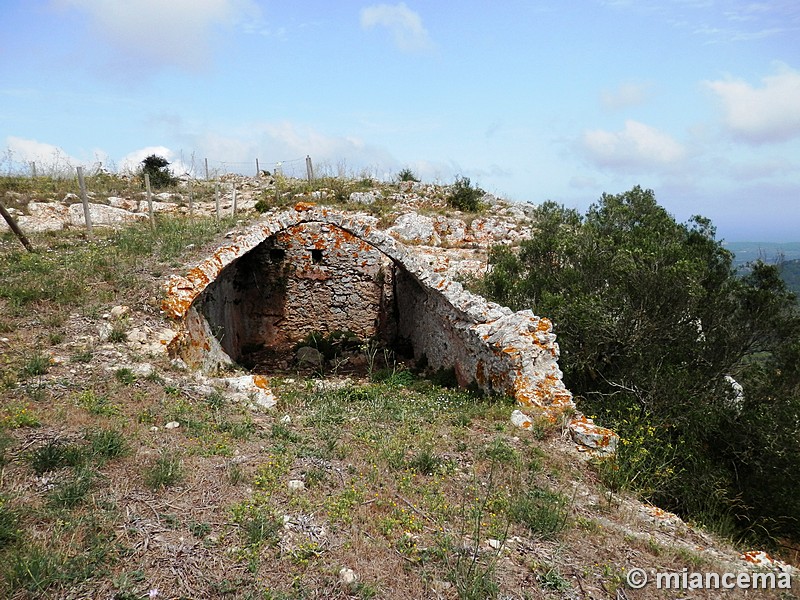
(769, 252)
(786, 256)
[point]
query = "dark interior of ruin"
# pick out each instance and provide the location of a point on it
(315, 286)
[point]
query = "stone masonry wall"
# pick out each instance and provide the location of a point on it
(313, 277)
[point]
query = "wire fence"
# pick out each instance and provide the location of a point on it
(59, 166)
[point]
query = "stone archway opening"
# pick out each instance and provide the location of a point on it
(313, 285)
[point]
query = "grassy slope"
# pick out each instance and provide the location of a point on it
(405, 482)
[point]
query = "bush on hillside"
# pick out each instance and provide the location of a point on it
(651, 318)
(464, 196)
(157, 168)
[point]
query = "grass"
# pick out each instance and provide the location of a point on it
(165, 471)
(106, 444)
(84, 274)
(38, 364)
(97, 404)
(543, 512)
(71, 491)
(56, 454)
(406, 480)
(9, 523)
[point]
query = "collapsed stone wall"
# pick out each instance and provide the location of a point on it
(489, 345)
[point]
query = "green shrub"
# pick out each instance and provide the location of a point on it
(406, 174)
(651, 315)
(157, 168)
(544, 512)
(464, 197)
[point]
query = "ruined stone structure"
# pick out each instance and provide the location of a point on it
(311, 277)
(311, 269)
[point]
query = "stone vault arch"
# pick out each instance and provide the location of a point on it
(499, 350)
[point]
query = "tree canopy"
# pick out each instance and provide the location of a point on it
(657, 330)
(157, 167)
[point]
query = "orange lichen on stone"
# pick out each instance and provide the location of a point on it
(261, 382)
(601, 436)
(544, 325)
(480, 375)
(304, 206)
(756, 557)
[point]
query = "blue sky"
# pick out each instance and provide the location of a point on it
(696, 99)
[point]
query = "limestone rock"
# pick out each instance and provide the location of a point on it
(296, 485)
(251, 388)
(365, 197)
(307, 355)
(102, 216)
(521, 420)
(347, 576)
(120, 311)
(104, 332)
(761, 560)
(142, 369)
(586, 433)
(37, 224)
(124, 203)
(415, 228)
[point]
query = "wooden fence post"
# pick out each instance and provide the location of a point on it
(233, 185)
(191, 199)
(216, 199)
(206, 161)
(149, 200)
(15, 228)
(309, 169)
(258, 172)
(85, 198)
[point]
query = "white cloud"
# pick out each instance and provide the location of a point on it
(235, 149)
(49, 159)
(767, 114)
(637, 146)
(405, 25)
(625, 96)
(155, 33)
